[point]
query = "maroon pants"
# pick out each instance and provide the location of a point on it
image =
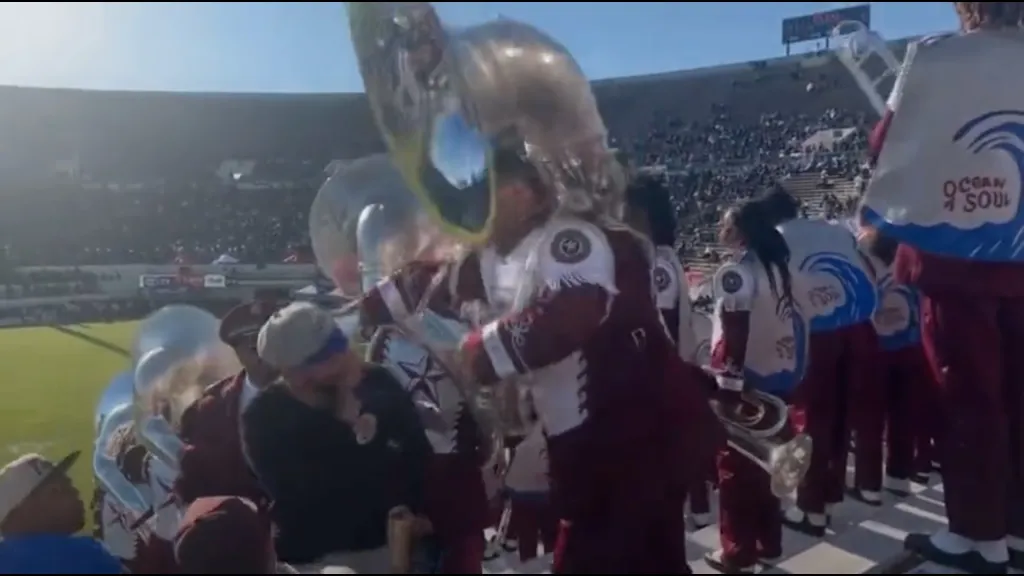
(533, 522)
(909, 412)
(648, 542)
(458, 508)
(975, 346)
(843, 364)
(616, 519)
(749, 517)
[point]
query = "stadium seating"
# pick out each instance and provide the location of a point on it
(124, 177)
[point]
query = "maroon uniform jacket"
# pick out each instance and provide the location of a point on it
(622, 445)
(213, 463)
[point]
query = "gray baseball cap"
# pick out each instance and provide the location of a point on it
(296, 334)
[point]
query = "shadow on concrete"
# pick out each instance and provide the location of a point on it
(108, 346)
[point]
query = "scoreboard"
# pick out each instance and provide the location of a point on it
(820, 24)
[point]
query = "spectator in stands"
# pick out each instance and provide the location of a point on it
(40, 513)
(226, 535)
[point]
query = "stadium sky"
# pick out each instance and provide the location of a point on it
(304, 46)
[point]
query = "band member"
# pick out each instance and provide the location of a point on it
(532, 520)
(761, 343)
(214, 461)
(840, 300)
(530, 185)
(907, 376)
(649, 211)
(594, 345)
(951, 169)
(388, 233)
(338, 461)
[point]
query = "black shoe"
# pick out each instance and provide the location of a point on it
(804, 526)
(970, 562)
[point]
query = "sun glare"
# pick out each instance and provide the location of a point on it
(46, 35)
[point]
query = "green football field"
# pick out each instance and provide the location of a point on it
(54, 377)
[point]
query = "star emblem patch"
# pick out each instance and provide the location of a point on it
(424, 377)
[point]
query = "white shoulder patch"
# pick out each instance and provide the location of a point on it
(734, 287)
(576, 252)
(665, 276)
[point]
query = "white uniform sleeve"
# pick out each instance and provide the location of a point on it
(735, 288)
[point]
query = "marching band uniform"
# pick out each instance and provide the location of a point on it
(593, 351)
(947, 187)
(839, 301)
(214, 461)
(673, 299)
(456, 497)
(761, 345)
(528, 489)
(570, 296)
(143, 549)
(907, 379)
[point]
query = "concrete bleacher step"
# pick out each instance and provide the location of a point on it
(861, 540)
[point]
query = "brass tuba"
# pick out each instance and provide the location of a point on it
(445, 100)
(392, 230)
(113, 415)
(175, 355)
(757, 427)
(869, 59)
(335, 213)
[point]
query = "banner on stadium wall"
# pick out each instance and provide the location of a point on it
(178, 283)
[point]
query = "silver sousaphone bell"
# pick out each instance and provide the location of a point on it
(176, 354)
(757, 427)
(114, 416)
(445, 100)
(390, 231)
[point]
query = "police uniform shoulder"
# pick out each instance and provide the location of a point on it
(734, 280)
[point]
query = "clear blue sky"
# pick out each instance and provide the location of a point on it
(304, 46)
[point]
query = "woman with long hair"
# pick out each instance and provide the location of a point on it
(761, 344)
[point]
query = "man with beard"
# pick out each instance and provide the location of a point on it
(568, 296)
(214, 461)
(947, 187)
(339, 460)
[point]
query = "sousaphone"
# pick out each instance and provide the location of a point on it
(369, 200)
(175, 356)
(445, 100)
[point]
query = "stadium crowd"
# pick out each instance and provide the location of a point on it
(97, 189)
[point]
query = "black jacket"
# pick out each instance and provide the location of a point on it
(330, 492)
